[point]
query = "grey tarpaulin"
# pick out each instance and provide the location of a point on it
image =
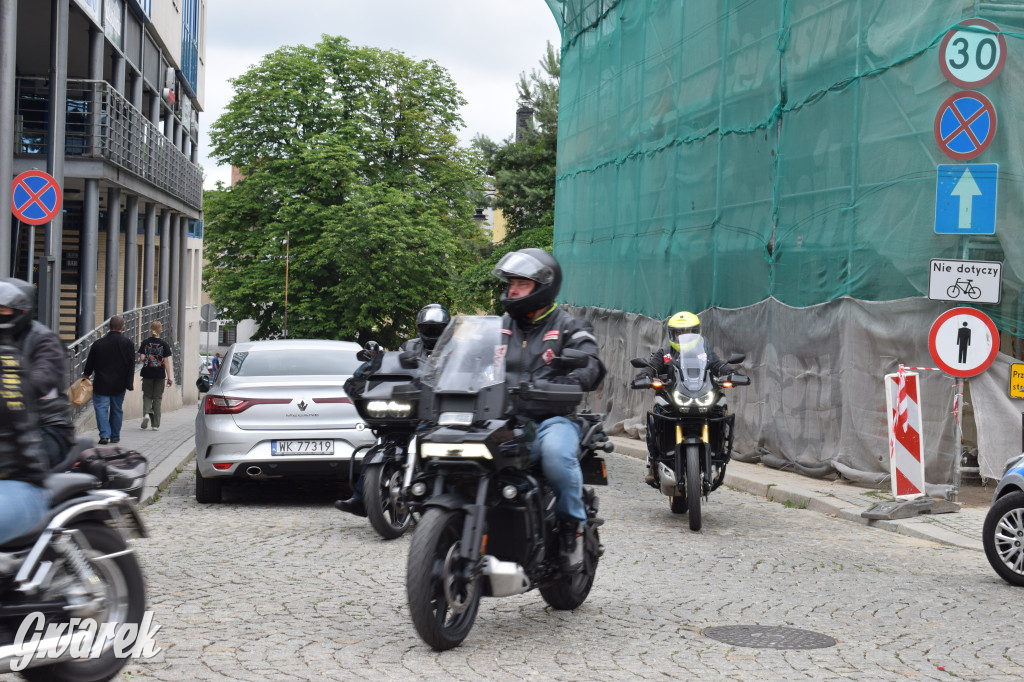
(816, 402)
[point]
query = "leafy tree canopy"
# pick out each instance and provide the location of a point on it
(350, 164)
(523, 173)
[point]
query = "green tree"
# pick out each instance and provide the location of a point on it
(350, 164)
(523, 174)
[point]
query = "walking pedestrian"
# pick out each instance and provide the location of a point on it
(214, 366)
(155, 354)
(112, 359)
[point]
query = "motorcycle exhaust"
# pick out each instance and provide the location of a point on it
(506, 577)
(668, 480)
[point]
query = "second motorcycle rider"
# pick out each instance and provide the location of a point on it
(539, 331)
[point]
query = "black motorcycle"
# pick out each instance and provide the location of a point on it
(690, 428)
(75, 577)
(488, 526)
(389, 465)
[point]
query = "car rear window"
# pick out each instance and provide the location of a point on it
(278, 363)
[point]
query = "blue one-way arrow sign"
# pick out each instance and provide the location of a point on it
(965, 199)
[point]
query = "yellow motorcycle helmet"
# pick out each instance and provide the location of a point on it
(683, 324)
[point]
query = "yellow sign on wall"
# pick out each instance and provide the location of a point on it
(1017, 380)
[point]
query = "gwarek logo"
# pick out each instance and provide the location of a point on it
(82, 638)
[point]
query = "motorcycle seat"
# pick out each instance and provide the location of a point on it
(64, 486)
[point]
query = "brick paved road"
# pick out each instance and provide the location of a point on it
(274, 584)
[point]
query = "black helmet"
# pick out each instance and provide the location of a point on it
(17, 294)
(533, 264)
(430, 322)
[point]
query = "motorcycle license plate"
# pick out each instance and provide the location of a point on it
(302, 447)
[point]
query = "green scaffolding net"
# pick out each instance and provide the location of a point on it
(785, 169)
(724, 152)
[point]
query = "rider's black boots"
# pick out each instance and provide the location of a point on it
(352, 505)
(570, 536)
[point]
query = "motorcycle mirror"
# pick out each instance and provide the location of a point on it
(639, 363)
(736, 358)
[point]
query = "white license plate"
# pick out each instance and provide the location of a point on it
(302, 447)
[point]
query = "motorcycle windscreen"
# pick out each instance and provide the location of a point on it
(693, 360)
(469, 356)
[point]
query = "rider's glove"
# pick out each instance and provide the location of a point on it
(567, 380)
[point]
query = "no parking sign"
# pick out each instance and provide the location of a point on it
(35, 197)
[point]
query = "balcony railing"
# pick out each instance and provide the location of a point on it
(101, 123)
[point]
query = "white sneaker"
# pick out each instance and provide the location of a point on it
(155, 428)
(145, 422)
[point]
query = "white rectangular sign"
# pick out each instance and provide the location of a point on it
(965, 281)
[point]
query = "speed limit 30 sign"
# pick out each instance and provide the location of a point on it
(972, 54)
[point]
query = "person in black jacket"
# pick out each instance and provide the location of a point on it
(112, 358)
(23, 500)
(539, 331)
(430, 323)
(46, 366)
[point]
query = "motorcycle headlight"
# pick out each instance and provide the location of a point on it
(467, 450)
(388, 408)
(707, 400)
(681, 400)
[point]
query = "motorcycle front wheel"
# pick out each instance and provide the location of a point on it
(443, 605)
(387, 511)
(693, 491)
(123, 604)
(1003, 538)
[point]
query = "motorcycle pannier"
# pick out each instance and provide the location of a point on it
(116, 468)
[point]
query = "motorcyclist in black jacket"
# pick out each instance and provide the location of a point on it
(430, 323)
(539, 331)
(23, 500)
(46, 366)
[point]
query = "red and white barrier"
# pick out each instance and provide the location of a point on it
(906, 446)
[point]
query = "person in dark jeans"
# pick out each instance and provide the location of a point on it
(155, 354)
(112, 359)
(46, 367)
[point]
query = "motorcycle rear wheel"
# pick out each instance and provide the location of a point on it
(125, 594)
(569, 591)
(693, 491)
(443, 608)
(387, 512)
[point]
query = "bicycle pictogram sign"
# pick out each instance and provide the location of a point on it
(35, 197)
(964, 286)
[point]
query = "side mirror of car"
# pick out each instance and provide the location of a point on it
(736, 358)
(639, 363)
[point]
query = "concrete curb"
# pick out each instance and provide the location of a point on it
(165, 472)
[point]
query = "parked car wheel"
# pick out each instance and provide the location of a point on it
(1003, 537)
(208, 490)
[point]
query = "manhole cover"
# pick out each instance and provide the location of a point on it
(769, 637)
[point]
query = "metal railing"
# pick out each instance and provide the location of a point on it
(136, 329)
(101, 123)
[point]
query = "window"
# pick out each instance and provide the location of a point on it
(227, 335)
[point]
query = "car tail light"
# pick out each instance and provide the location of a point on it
(222, 404)
(332, 400)
(223, 466)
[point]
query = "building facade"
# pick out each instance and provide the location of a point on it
(105, 96)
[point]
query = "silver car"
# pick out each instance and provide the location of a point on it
(277, 408)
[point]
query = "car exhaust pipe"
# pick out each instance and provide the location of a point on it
(668, 480)
(254, 472)
(506, 577)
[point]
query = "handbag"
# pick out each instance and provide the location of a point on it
(80, 392)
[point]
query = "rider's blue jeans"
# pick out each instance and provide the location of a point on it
(557, 444)
(22, 505)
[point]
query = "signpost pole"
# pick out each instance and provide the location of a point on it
(958, 436)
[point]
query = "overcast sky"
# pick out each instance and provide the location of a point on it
(484, 44)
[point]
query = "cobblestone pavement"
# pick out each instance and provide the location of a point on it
(275, 584)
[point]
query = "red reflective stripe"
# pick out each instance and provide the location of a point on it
(332, 400)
